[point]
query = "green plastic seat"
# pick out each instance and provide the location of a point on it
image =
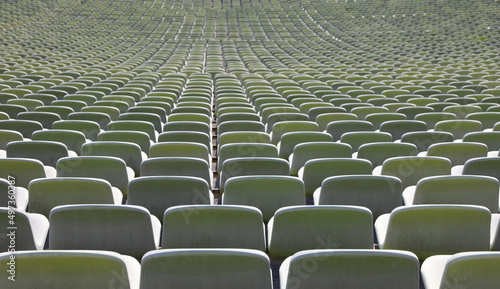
(297, 228)
(56, 269)
(177, 166)
(455, 189)
(304, 152)
(315, 171)
(380, 194)
(104, 227)
(208, 226)
(466, 269)
(158, 193)
(240, 150)
(30, 231)
(442, 229)
(459, 128)
(378, 152)
(25, 127)
(111, 169)
(267, 193)
(215, 268)
(357, 268)
(46, 194)
(357, 138)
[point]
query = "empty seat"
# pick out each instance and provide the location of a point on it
(158, 193)
(25, 127)
(413, 168)
(138, 137)
(58, 269)
(462, 270)
(357, 138)
(177, 166)
(467, 190)
(458, 153)
(280, 128)
(297, 228)
(45, 194)
(129, 152)
(316, 170)
(380, 194)
(399, 127)
(487, 166)
(312, 150)
(337, 128)
(239, 150)
(267, 193)
(22, 231)
(290, 139)
(248, 166)
(89, 128)
(428, 230)
(48, 152)
(112, 169)
(459, 127)
(207, 268)
(206, 226)
(424, 139)
(344, 268)
(124, 229)
(73, 140)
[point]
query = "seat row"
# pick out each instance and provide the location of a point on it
(244, 268)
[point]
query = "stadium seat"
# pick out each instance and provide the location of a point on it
(206, 226)
(380, 194)
(344, 268)
(267, 193)
(298, 228)
(102, 269)
(442, 229)
(466, 270)
(210, 268)
(23, 231)
(158, 193)
(124, 229)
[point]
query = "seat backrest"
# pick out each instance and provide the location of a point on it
(111, 169)
(124, 229)
(102, 269)
(158, 193)
(214, 268)
(72, 139)
(129, 152)
(377, 152)
(267, 193)
(487, 166)
(48, 152)
(315, 171)
(25, 127)
(280, 128)
(462, 270)
(458, 153)
(413, 168)
(361, 268)
(45, 194)
(304, 152)
(207, 226)
(21, 170)
(21, 235)
(424, 139)
(357, 138)
(428, 230)
(297, 228)
(290, 139)
(248, 166)
(380, 194)
(472, 190)
(238, 150)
